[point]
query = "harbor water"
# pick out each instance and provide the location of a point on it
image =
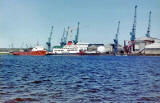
(79, 79)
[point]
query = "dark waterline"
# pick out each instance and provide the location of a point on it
(79, 79)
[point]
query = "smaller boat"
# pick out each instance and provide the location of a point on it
(38, 51)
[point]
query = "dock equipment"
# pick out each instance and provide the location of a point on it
(62, 43)
(76, 36)
(67, 32)
(116, 39)
(64, 37)
(133, 33)
(49, 40)
(149, 25)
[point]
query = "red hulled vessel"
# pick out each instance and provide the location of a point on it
(37, 51)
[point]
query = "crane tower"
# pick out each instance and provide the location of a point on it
(64, 37)
(133, 33)
(149, 25)
(62, 43)
(116, 39)
(49, 40)
(76, 36)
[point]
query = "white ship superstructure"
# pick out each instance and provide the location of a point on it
(70, 48)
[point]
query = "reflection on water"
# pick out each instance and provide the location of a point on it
(79, 79)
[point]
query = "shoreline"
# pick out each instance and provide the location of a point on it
(7, 53)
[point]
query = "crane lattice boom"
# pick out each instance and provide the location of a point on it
(49, 40)
(116, 39)
(149, 25)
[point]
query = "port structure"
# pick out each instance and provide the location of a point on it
(49, 40)
(116, 39)
(133, 33)
(64, 37)
(77, 35)
(75, 41)
(149, 25)
(62, 43)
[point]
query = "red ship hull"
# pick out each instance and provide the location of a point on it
(38, 53)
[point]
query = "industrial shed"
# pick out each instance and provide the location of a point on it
(141, 42)
(152, 49)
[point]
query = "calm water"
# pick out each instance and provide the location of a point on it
(79, 79)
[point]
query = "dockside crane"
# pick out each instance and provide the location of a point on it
(49, 40)
(62, 43)
(133, 33)
(116, 39)
(64, 37)
(149, 25)
(77, 35)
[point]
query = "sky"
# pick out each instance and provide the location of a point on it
(26, 22)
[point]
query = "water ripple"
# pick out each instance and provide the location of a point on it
(79, 79)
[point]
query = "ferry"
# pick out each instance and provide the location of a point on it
(70, 48)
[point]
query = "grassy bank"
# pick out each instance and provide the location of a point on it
(4, 53)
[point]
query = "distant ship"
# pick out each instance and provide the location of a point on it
(37, 51)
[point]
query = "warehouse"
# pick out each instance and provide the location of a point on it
(141, 42)
(152, 49)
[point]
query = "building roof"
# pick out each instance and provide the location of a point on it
(146, 38)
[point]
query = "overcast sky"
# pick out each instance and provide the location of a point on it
(28, 21)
